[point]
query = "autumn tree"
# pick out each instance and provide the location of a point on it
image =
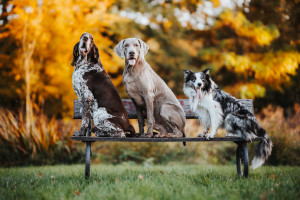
(39, 38)
(240, 44)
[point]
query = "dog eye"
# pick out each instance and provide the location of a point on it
(193, 79)
(126, 45)
(135, 45)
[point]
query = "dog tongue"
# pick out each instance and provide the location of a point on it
(199, 93)
(131, 61)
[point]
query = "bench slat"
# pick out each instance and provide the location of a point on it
(248, 103)
(187, 139)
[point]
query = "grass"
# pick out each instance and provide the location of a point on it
(157, 182)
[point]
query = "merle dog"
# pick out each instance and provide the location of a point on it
(216, 108)
(100, 99)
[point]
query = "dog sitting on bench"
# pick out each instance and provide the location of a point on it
(99, 97)
(149, 92)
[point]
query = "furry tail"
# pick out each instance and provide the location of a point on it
(263, 149)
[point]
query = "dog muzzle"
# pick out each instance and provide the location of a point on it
(131, 61)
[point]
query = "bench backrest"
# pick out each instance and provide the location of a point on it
(248, 103)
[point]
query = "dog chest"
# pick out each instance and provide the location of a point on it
(133, 89)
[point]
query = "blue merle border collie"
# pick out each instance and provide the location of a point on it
(216, 108)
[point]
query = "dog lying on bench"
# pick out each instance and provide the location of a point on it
(217, 108)
(90, 83)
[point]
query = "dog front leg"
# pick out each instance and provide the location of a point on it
(216, 118)
(86, 117)
(204, 119)
(140, 117)
(150, 113)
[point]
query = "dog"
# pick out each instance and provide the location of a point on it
(149, 92)
(216, 108)
(99, 97)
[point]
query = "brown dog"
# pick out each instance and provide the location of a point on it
(149, 92)
(99, 97)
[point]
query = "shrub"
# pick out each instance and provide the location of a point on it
(47, 141)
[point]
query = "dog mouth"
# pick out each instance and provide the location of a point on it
(131, 61)
(198, 92)
(83, 49)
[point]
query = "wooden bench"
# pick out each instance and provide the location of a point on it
(241, 151)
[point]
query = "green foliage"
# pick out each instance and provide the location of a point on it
(158, 182)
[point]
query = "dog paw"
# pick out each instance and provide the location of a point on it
(145, 135)
(209, 136)
(78, 133)
(160, 135)
(201, 135)
(123, 135)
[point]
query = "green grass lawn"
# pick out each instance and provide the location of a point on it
(158, 182)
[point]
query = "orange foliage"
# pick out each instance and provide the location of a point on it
(55, 30)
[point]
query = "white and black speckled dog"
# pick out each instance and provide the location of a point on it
(216, 108)
(100, 99)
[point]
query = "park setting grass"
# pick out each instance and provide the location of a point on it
(154, 182)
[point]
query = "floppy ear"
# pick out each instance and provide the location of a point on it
(186, 73)
(75, 54)
(144, 47)
(206, 71)
(95, 54)
(119, 49)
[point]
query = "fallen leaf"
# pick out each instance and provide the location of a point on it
(76, 192)
(40, 175)
(117, 180)
(272, 176)
(162, 172)
(141, 177)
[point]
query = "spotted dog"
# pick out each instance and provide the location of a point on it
(100, 99)
(216, 108)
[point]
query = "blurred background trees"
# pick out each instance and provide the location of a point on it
(251, 46)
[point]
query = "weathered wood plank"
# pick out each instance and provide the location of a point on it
(248, 103)
(137, 139)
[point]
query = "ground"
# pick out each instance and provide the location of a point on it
(157, 182)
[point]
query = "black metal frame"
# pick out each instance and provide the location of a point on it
(241, 150)
(242, 158)
(88, 153)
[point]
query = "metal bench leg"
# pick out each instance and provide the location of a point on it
(242, 156)
(88, 155)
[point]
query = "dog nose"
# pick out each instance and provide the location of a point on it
(131, 53)
(199, 84)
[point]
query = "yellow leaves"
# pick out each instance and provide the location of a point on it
(246, 90)
(257, 32)
(215, 3)
(270, 69)
(56, 26)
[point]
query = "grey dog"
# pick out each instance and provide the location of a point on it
(149, 92)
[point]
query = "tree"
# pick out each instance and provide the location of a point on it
(44, 33)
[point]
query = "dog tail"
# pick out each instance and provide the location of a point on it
(263, 149)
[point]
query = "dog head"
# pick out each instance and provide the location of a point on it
(132, 49)
(199, 81)
(86, 49)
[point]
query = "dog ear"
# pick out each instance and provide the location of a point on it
(119, 49)
(144, 47)
(206, 71)
(186, 73)
(96, 56)
(75, 54)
